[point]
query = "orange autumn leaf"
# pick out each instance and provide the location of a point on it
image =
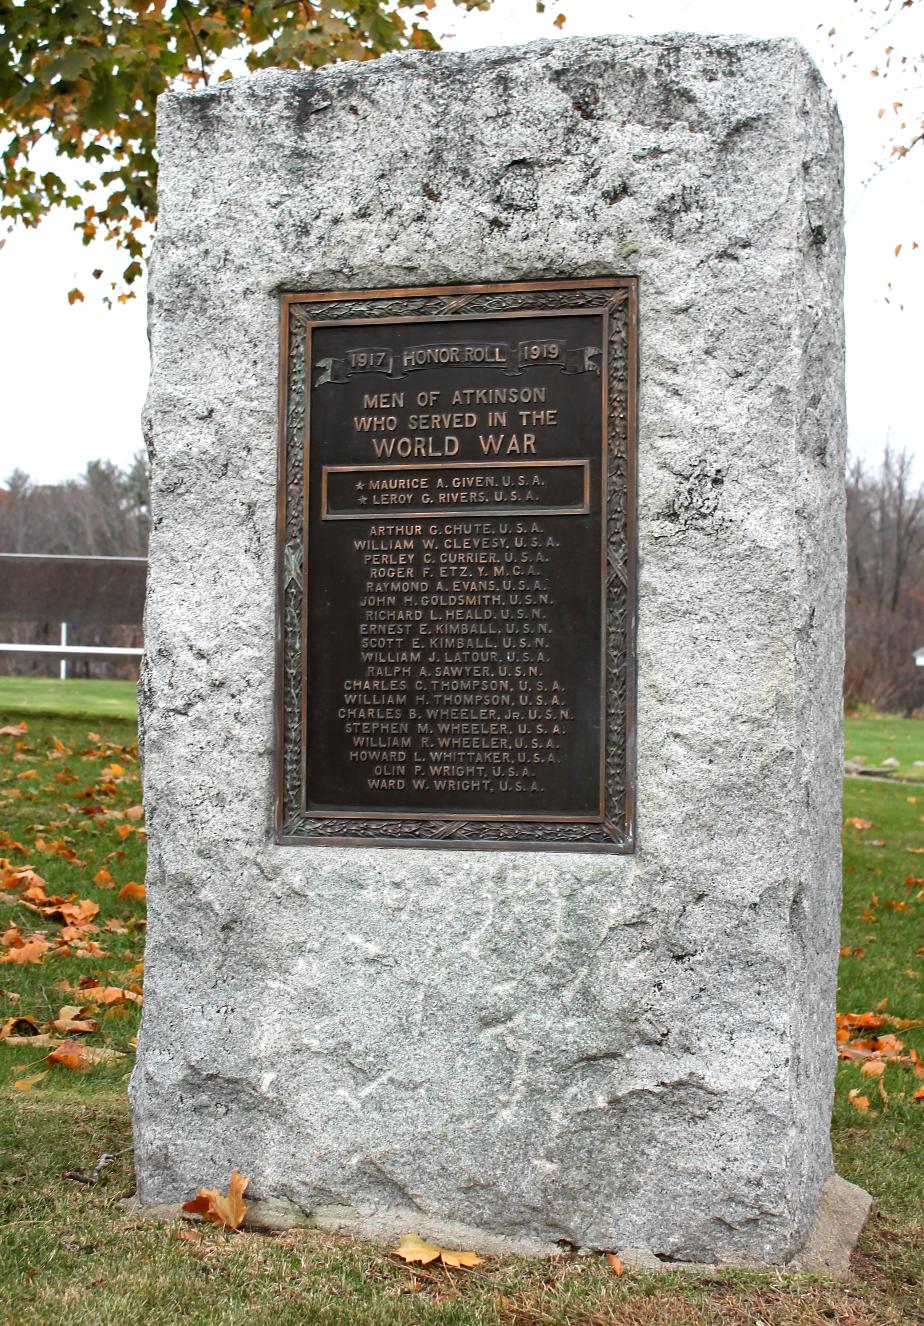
(919, 1094)
(69, 1055)
(103, 880)
(80, 1057)
(70, 1020)
(860, 1020)
(108, 994)
(615, 1264)
(17, 731)
(70, 913)
(858, 1101)
(134, 812)
(132, 890)
(32, 950)
(226, 1209)
(856, 823)
(873, 1068)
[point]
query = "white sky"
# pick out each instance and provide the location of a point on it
(72, 379)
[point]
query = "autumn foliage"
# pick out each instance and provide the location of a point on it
(85, 77)
(71, 922)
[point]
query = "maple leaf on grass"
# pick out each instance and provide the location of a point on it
(70, 1019)
(31, 951)
(858, 1101)
(69, 1055)
(412, 1248)
(226, 1209)
(21, 1027)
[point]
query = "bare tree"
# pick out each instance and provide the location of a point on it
(885, 593)
(104, 513)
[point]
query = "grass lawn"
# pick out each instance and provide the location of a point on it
(881, 737)
(48, 695)
(68, 1252)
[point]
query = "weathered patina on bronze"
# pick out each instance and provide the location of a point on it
(457, 567)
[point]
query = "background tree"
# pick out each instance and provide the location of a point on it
(104, 513)
(885, 585)
(84, 76)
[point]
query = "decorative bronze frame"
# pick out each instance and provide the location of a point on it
(613, 830)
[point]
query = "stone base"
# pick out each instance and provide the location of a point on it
(833, 1236)
(842, 1213)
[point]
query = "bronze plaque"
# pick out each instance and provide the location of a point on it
(456, 567)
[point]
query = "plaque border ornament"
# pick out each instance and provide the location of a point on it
(613, 830)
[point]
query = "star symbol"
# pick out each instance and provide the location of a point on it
(360, 486)
(362, 499)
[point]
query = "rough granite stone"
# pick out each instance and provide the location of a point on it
(593, 1050)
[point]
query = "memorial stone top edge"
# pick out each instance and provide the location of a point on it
(447, 63)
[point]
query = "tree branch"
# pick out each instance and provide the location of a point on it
(183, 10)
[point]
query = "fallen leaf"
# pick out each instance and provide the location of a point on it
(32, 951)
(69, 1055)
(27, 1083)
(70, 1019)
(858, 1102)
(17, 731)
(856, 823)
(450, 1257)
(615, 1264)
(134, 812)
(919, 1094)
(18, 1026)
(873, 1068)
(102, 879)
(412, 1248)
(228, 1209)
(108, 994)
(133, 890)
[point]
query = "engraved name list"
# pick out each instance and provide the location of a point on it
(454, 643)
